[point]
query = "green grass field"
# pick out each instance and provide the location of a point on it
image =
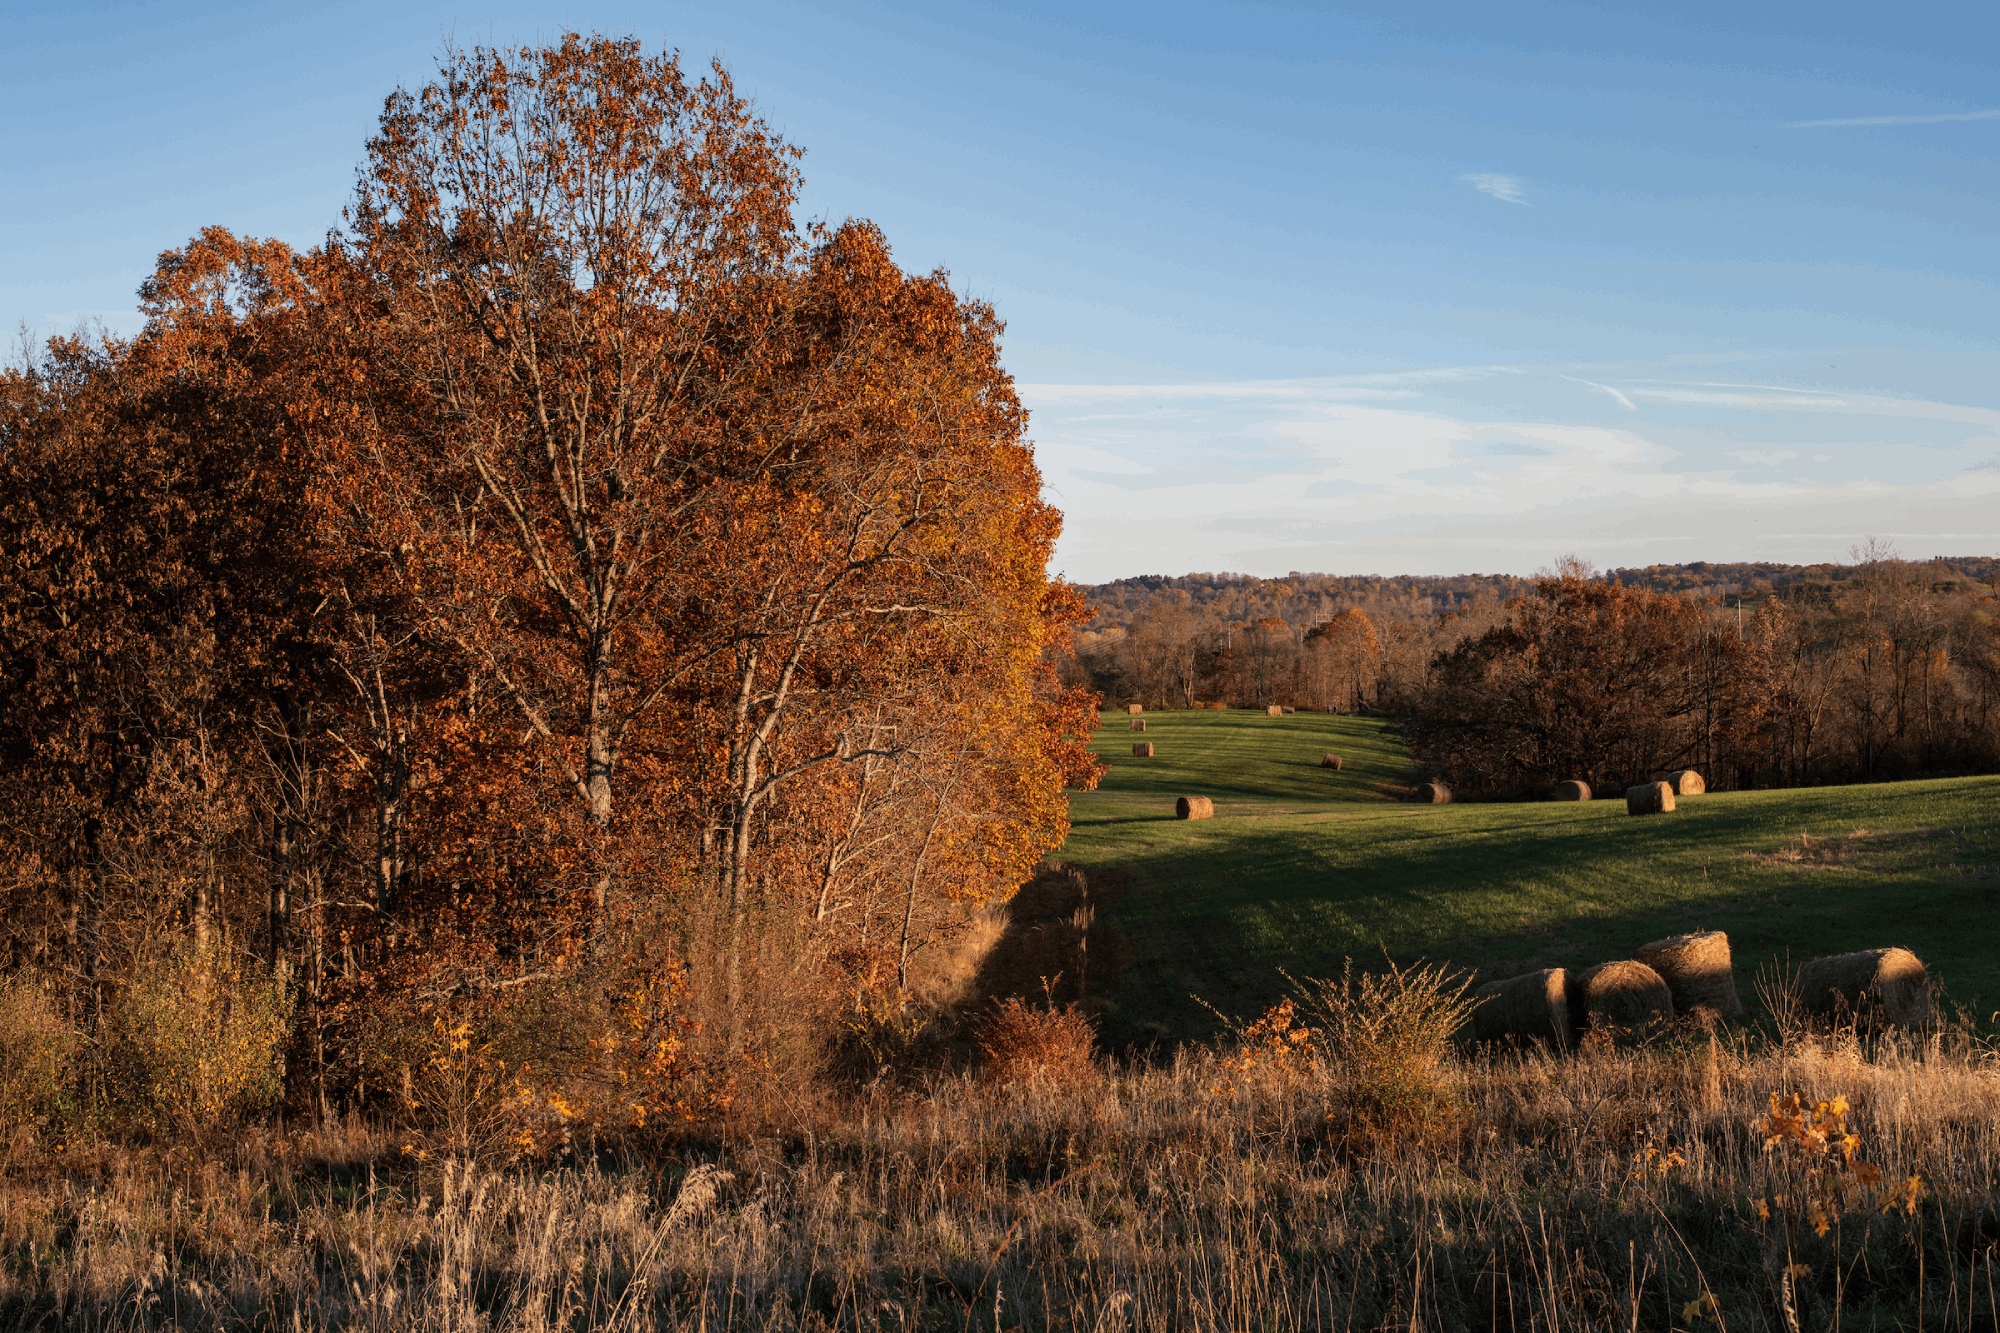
(1302, 867)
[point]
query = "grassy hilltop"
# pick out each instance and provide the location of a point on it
(1303, 866)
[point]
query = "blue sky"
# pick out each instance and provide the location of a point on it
(1362, 289)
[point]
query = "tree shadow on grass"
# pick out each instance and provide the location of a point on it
(1212, 926)
(1044, 955)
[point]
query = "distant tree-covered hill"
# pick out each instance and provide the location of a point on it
(1310, 598)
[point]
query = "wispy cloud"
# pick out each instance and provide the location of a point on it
(1844, 121)
(1507, 189)
(1623, 401)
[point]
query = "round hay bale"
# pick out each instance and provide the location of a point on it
(1142, 749)
(1697, 970)
(1135, 709)
(1331, 761)
(1887, 985)
(1138, 724)
(1274, 711)
(1433, 793)
(1290, 709)
(1529, 1008)
(1194, 807)
(1625, 998)
(1572, 791)
(1686, 782)
(1649, 798)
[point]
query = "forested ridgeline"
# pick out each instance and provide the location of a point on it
(1757, 675)
(572, 620)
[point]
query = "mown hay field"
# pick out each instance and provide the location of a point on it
(1303, 866)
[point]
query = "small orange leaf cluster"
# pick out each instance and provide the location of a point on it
(1704, 1306)
(1276, 1048)
(1815, 1142)
(1657, 1161)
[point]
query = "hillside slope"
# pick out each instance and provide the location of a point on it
(1303, 867)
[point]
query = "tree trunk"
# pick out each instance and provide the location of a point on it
(280, 908)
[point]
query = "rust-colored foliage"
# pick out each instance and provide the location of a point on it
(570, 558)
(1020, 1042)
(1587, 680)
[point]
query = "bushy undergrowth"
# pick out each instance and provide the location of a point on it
(1706, 1181)
(193, 1042)
(37, 1054)
(190, 1047)
(1021, 1041)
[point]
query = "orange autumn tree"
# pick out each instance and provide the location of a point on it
(692, 498)
(571, 568)
(1352, 656)
(1589, 680)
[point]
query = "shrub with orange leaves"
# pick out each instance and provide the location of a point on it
(655, 1075)
(1020, 1041)
(636, 1068)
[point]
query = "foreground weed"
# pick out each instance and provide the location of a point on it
(1389, 1038)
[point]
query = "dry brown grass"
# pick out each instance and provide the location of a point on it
(1940, 851)
(1704, 1182)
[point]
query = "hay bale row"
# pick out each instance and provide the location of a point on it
(1138, 724)
(1874, 985)
(1649, 798)
(1331, 761)
(1194, 807)
(1631, 999)
(1142, 749)
(1698, 971)
(1572, 791)
(1433, 793)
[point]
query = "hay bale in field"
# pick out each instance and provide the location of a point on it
(1135, 709)
(1886, 985)
(1685, 782)
(1649, 798)
(1290, 709)
(1331, 761)
(1142, 749)
(1138, 724)
(1194, 807)
(1433, 793)
(1572, 791)
(1697, 970)
(1274, 711)
(1534, 1007)
(1623, 997)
